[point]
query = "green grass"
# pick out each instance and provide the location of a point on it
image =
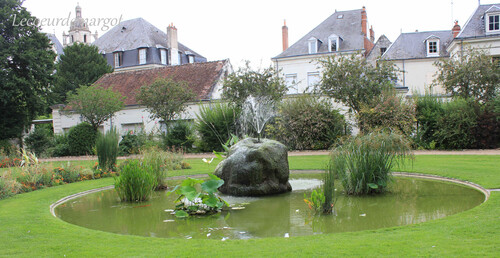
(28, 229)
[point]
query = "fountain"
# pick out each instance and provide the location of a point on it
(255, 166)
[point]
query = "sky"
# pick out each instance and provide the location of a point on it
(251, 30)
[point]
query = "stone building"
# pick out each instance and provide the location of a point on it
(79, 31)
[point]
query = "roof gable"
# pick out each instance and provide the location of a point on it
(201, 78)
(413, 45)
(345, 24)
(493, 9)
(475, 26)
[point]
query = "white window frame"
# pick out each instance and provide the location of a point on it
(117, 57)
(163, 56)
(313, 45)
(143, 55)
(311, 83)
(488, 23)
(190, 59)
(429, 42)
(333, 39)
(291, 83)
(179, 58)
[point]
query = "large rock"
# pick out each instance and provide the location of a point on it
(255, 168)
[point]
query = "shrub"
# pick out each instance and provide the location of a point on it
(60, 146)
(39, 140)
(307, 123)
(428, 110)
(107, 150)
(363, 163)
(136, 182)
(8, 186)
(455, 125)
(81, 139)
(179, 135)
(215, 124)
(390, 111)
(130, 143)
(486, 134)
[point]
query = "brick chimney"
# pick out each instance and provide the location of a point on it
(456, 29)
(364, 21)
(172, 44)
(284, 32)
(372, 34)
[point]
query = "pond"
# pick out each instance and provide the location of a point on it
(409, 201)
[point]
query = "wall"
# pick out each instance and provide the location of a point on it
(419, 75)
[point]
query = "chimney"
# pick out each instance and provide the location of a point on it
(173, 45)
(284, 31)
(456, 29)
(364, 21)
(372, 34)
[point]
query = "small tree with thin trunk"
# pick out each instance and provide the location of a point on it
(96, 104)
(165, 98)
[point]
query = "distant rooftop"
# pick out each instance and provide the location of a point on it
(412, 45)
(474, 27)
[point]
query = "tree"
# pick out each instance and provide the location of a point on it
(81, 64)
(245, 82)
(353, 81)
(26, 64)
(96, 104)
(165, 98)
(469, 74)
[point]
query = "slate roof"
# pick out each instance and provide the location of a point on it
(348, 28)
(475, 26)
(57, 44)
(200, 77)
(412, 45)
(132, 34)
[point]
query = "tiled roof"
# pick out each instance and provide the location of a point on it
(345, 24)
(133, 34)
(475, 27)
(200, 77)
(412, 45)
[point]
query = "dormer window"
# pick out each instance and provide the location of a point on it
(190, 57)
(333, 43)
(118, 59)
(313, 45)
(432, 44)
(142, 55)
(163, 56)
(493, 22)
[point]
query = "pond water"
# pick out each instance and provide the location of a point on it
(410, 201)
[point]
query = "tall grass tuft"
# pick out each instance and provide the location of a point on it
(136, 182)
(107, 149)
(161, 162)
(363, 164)
(329, 189)
(215, 124)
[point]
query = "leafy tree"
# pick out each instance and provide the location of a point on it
(96, 104)
(245, 82)
(81, 64)
(351, 80)
(471, 74)
(165, 98)
(26, 64)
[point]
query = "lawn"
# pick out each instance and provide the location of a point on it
(28, 229)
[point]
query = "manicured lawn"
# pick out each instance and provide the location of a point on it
(28, 229)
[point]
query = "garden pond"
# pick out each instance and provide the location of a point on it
(409, 201)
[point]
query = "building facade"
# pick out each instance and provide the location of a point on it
(79, 31)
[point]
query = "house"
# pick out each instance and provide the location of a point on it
(380, 47)
(344, 32)
(415, 53)
(481, 31)
(205, 79)
(137, 44)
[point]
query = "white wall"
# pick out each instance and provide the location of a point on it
(491, 45)
(300, 66)
(418, 75)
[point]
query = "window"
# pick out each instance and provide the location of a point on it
(118, 59)
(85, 38)
(313, 45)
(72, 39)
(163, 56)
(433, 47)
(333, 43)
(190, 59)
(493, 23)
(291, 83)
(132, 127)
(179, 58)
(312, 80)
(382, 50)
(142, 55)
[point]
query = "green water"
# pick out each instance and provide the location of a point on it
(410, 201)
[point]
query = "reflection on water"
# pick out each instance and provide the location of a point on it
(410, 201)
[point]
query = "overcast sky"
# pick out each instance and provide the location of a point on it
(251, 30)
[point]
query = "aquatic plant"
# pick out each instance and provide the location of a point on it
(107, 149)
(136, 182)
(323, 201)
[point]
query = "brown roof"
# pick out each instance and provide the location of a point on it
(200, 78)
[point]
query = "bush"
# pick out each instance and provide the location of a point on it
(81, 139)
(179, 135)
(107, 150)
(363, 164)
(215, 124)
(455, 124)
(307, 123)
(39, 140)
(8, 187)
(60, 146)
(136, 182)
(390, 111)
(486, 134)
(130, 144)
(428, 111)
